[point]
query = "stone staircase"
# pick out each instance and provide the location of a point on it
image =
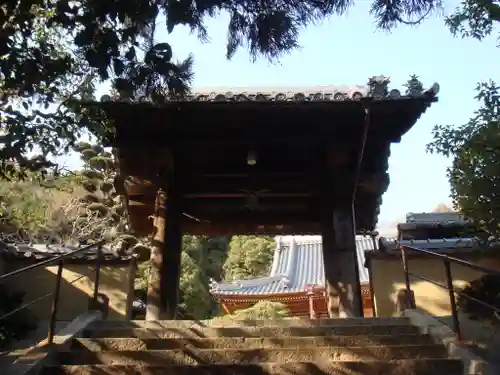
(377, 346)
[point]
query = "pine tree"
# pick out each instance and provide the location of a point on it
(102, 211)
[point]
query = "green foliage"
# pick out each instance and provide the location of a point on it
(196, 301)
(38, 82)
(262, 310)
(100, 211)
(474, 18)
(142, 276)
(202, 259)
(248, 257)
(485, 289)
(81, 207)
(58, 51)
(27, 206)
(205, 258)
(47, 74)
(15, 326)
(475, 150)
(22, 206)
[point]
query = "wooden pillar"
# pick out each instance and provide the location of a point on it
(164, 279)
(173, 254)
(154, 306)
(342, 284)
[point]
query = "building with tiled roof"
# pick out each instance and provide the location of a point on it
(116, 277)
(436, 231)
(445, 233)
(28, 252)
(296, 278)
(438, 225)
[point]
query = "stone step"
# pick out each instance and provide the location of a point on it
(6, 359)
(228, 356)
(131, 344)
(252, 323)
(110, 332)
(400, 367)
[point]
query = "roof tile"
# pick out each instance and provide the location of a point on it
(299, 262)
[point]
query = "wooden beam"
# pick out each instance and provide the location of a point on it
(257, 218)
(232, 228)
(229, 186)
(232, 185)
(227, 224)
(232, 195)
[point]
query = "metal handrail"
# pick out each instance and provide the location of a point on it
(55, 294)
(447, 261)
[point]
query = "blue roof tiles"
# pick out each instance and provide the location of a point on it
(298, 261)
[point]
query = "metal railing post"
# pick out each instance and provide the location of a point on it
(453, 304)
(55, 304)
(404, 254)
(97, 274)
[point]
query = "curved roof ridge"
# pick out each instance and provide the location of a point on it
(282, 89)
(277, 250)
(239, 284)
(291, 262)
(302, 263)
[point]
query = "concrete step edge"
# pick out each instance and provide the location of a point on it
(133, 343)
(249, 331)
(329, 348)
(260, 328)
(323, 363)
(234, 356)
(262, 323)
(375, 367)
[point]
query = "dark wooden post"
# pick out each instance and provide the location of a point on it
(343, 288)
(171, 270)
(164, 279)
(154, 300)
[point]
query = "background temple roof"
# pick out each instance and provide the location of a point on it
(298, 261)
(420, 226)
(443, 218)
(439, 244)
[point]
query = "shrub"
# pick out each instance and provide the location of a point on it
(262, 310)
(18, 325)
(485, 289)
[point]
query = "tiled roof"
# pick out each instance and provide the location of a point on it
(443, 218)
(377, 88)
(45, 251)
(329, 92)
(298, 261)
(390, 244)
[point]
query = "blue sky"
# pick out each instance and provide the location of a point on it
(348, 50)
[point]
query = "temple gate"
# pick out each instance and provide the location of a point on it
(261, 161)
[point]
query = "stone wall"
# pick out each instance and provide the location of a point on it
(116, 282)
(388, 277)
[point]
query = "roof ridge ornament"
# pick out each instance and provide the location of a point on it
(377, 88)
(413, 86)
